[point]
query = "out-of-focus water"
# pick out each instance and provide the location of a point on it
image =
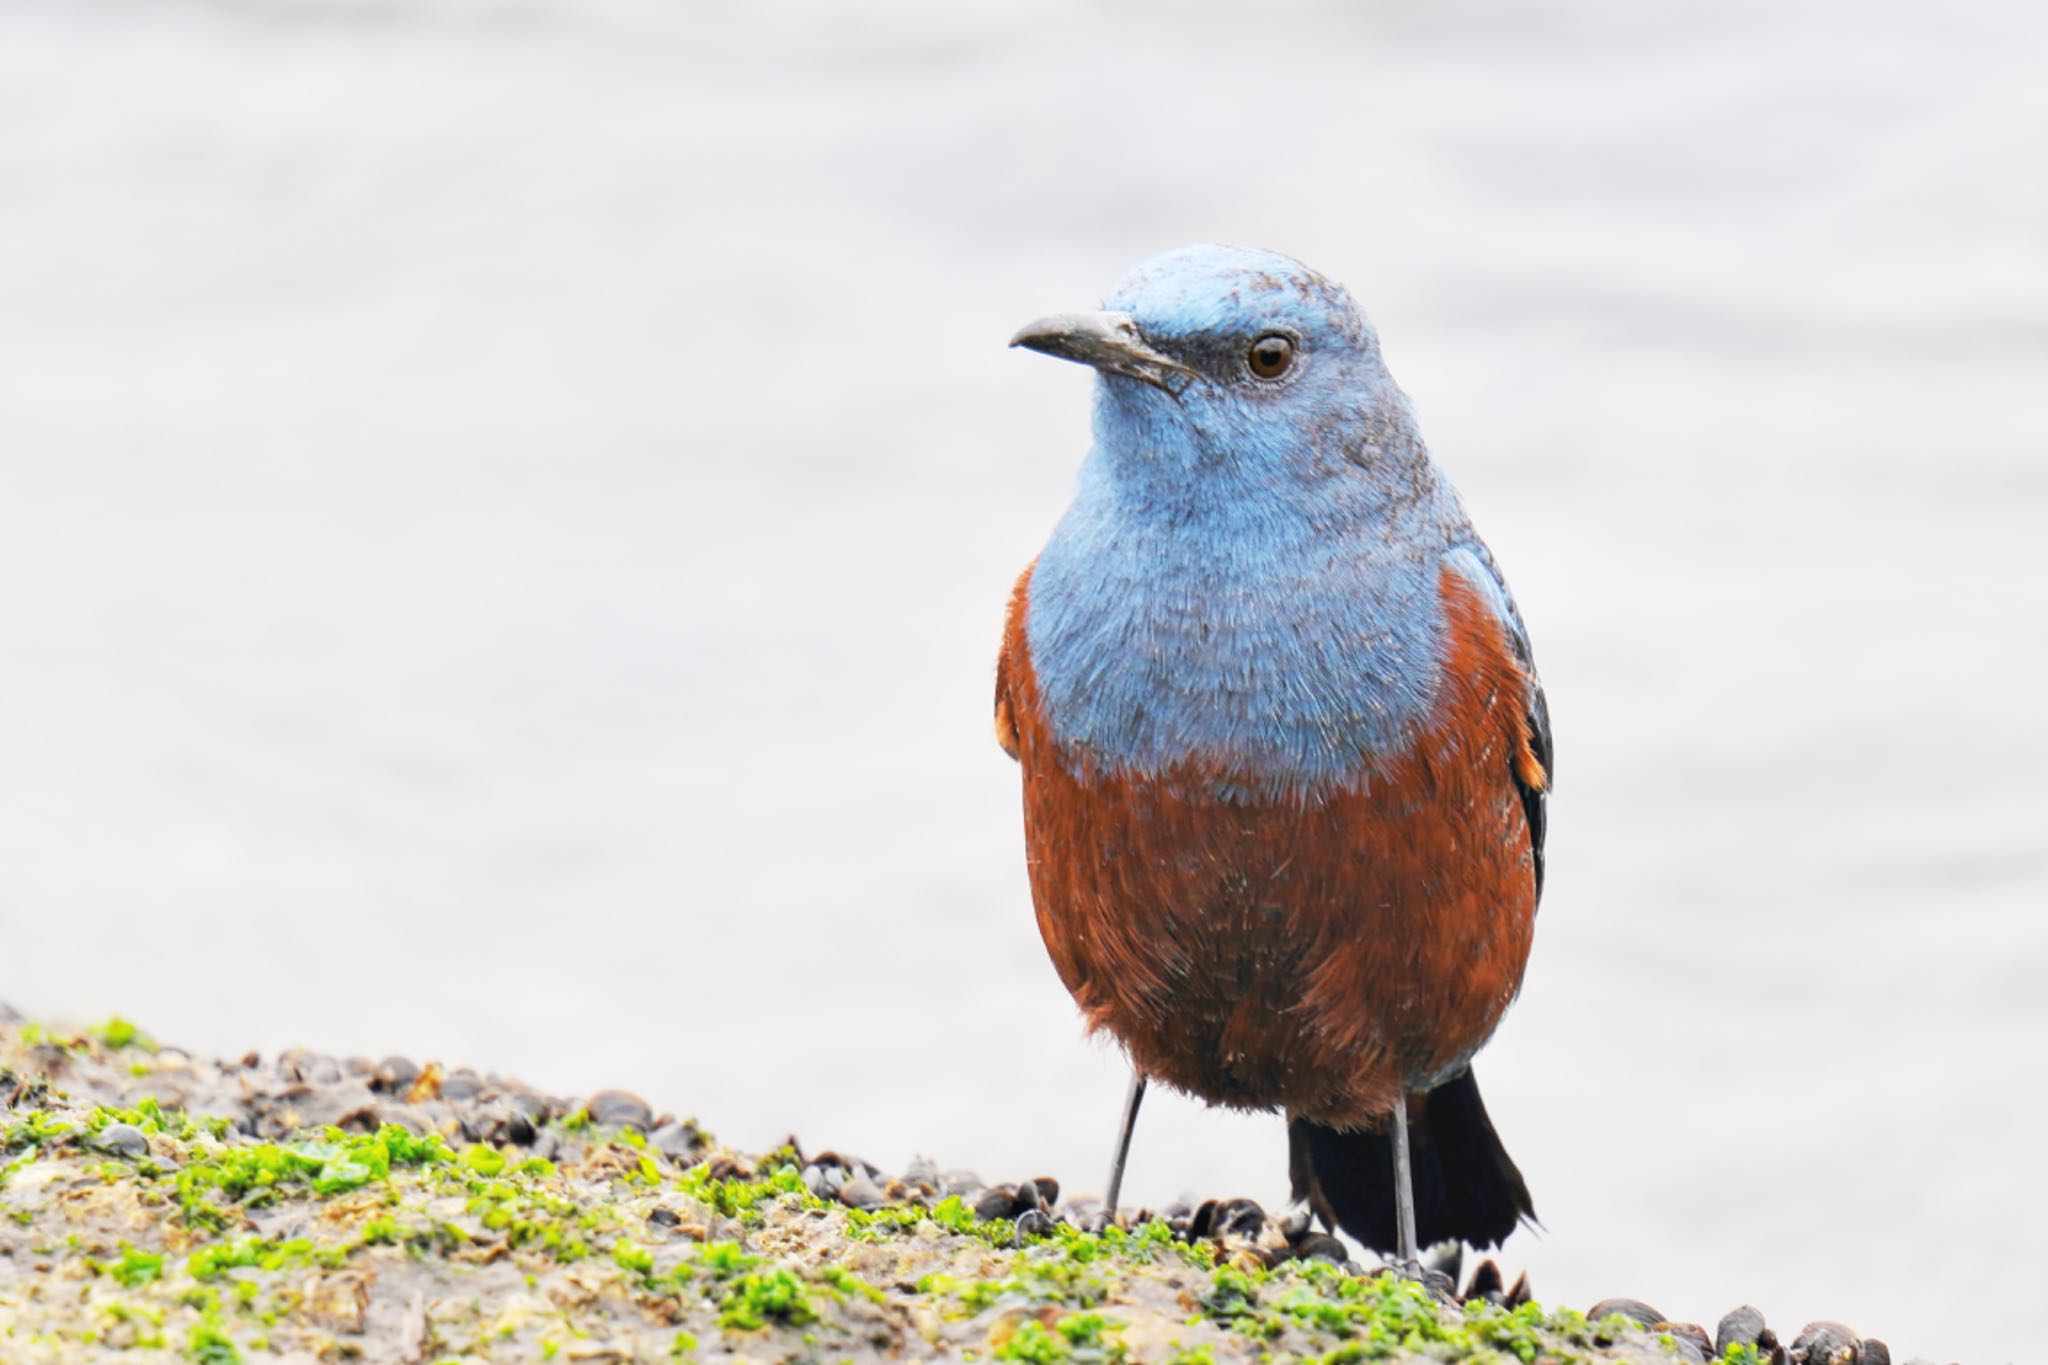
(505, 513)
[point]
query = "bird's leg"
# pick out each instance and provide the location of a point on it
(1132, 1098)
(1404, 1188)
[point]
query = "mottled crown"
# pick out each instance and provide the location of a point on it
(1227, 291)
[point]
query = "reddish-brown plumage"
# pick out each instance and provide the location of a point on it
(1320, 955)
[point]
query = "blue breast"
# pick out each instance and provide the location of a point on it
(1271, 640)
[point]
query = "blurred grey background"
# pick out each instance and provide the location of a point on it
(505, 511)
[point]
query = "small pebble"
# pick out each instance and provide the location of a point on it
(462, 1085)
(1689, 1350)
(1486, 1284)
(10, 1015)
(1048, 1190)
(495, 1121)
(123, 1140)
(663, 1218)
(861, 1193)
(1440, 1286)
(364, 1118)
(1740, 1327)
(998, 1201)
(1033, 1222)
(1237, 1218)
(538, 1108)
(1321, 1246)
(677, 1140)
(1634, 1309)
(408, 1118)
(962, 1183)
(618, 1108)
(395, 1074)
(728, 1166)
(1876, 1352)
(309, 1067)
(852, 1165)
(1824, 1343)
(1692, 1332)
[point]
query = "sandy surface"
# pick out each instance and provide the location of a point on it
(505, 511)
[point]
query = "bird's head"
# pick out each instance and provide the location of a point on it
(1214, 358)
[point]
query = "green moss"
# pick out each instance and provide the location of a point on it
(209, 1263)
(633, 1258)
(1031, 1342)
(1076, 1339)
(328, 1162)
(741, 1194)
(483, 1160)
(847, 1283)
(148, 1115)
(118, 1033)
(758, 1298)
(207, 1344)
(133, 1268)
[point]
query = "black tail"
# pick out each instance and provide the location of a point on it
(1466, 1184)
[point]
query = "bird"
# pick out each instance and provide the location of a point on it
(1285, 754)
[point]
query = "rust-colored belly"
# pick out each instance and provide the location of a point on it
(1319, 955)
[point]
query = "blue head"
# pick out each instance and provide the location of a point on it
(1247, 580)
(1227, 372)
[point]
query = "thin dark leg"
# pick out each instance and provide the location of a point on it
(1404, 1187)
(1132, 1099)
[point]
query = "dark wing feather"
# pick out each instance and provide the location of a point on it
(1536, 800)
(1476, 561)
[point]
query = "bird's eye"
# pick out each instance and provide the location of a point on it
(1271, 355)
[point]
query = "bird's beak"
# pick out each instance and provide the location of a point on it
(1108, 341)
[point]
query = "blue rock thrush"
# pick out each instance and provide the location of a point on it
(1284, 750)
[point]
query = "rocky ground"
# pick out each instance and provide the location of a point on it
(155, 1206)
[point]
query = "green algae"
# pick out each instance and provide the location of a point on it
(133, 1268)
(760, 1297)
(1077, 1339)
(118, 1033)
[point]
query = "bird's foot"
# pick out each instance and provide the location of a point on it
(1439, 1286)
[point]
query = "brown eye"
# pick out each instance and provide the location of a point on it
(1270, 355)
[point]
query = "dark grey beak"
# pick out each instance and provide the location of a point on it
(1108, 341)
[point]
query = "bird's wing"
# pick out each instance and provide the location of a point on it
(1010, 664)
(1474, 562)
